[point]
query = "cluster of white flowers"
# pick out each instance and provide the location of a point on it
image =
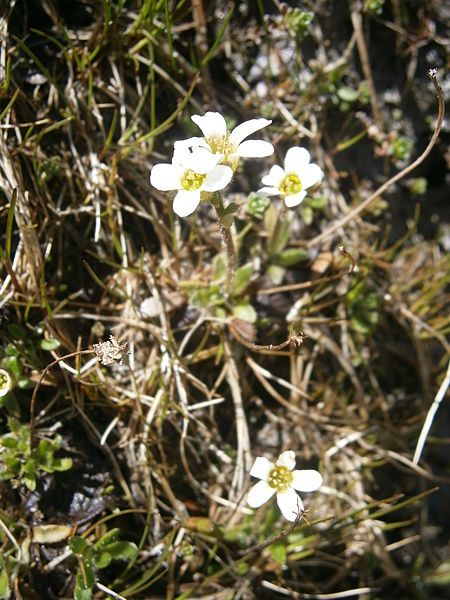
(201, 165)
(282, 480)
(206, 164)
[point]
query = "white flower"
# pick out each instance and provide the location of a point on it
(282, 480)
(228, 146)
(292, 182)
(193, 171)
(5, 382)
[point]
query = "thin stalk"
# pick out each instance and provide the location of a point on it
(223, 220)
(230, 255)
(38, 385)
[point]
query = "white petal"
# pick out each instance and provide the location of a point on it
(166, 177)
(290, 504)
(261, 468)
(217, 179)
(286, 459)
(268, 191)
(260, 493)
(186, 202)
(182, 147)
(212, 124)
(191, 142)
(245, 129)
(311, 175)
(203, 160)
(274, 177)
(254, 149)
(198, 159)
(307, 480)
(296, 159)
(295, 199)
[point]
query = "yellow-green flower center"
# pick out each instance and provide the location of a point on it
(280, 479)
(192, 181)
(4, 381)
(290, 185)
(221, 145)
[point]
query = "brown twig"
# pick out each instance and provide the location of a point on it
(365, 65)
(301, 514)
(293, 340)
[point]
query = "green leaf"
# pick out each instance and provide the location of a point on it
(276, 274)
(49, 344)
(44, 447)
(270, 218)
(78, 545)
(226, 214)
(242, 279)
(279, 553)
(30, 467)
(291, 257)
(227, 220)
(30, 482)
(15, 425)
(24, 383)
(307, 215)
(242, 568)
(13, 365)
(245, 311)
(61, 464)
(207, 297)
(355, 292)
(110, 536)
(257, 206)
(122, 550)
(102, 559)
(219, 268)
(12, 463)
(8, 442)
(231, 209)
(318, 202)
(401, 148)
(279, 238)
(347, 94)
(81, 591)
(5, 591)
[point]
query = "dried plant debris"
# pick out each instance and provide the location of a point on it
(110, 351)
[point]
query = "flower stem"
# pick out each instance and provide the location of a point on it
(230, 253)
(225, 220)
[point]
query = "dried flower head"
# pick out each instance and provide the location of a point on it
(110, 351)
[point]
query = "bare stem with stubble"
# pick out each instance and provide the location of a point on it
(224, 220)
